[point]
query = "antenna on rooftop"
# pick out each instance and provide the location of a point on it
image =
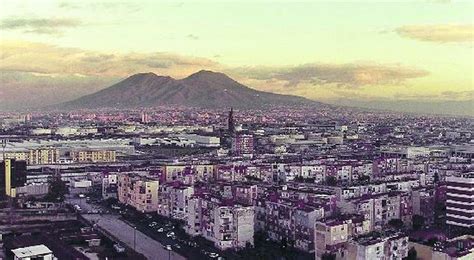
(4, 145)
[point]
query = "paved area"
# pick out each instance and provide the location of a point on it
(128, 235)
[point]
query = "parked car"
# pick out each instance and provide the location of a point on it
(213, 255)
(118, 248)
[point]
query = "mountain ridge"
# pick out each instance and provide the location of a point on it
(205, 89)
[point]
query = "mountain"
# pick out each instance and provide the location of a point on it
(204, 89)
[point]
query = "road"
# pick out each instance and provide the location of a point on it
(145, 245)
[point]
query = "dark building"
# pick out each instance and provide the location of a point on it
(12, 176)
(230, 122)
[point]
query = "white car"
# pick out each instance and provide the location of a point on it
(168, 247)
(213, 255)
(119, 248)
(170, 234)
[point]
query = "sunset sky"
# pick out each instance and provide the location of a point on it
(53, 51)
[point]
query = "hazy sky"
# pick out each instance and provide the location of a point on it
(52, 51)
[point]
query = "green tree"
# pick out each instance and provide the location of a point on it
(57, 190)
(331, 181)
(418, 222)
(396, 223)
(364, 178)
(328, 256)
(411, 254)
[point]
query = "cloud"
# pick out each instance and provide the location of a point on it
(39, 25)
(36, 74)
(438, 33)
(111, 5)
(469, 94)
(50, 59)
(192, 37)
(442, 96)
(22, 90)
(338, 75)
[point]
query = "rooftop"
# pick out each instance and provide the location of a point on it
(31, 251)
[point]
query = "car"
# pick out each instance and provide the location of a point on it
(118, 248)
(115, 207)
(177, 246)
(160, 230)
(213, 255)
(168, 247)
(170, 234)
(82, 196)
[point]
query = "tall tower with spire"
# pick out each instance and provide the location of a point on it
(230, 122)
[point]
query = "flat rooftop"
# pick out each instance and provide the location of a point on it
(31, 251)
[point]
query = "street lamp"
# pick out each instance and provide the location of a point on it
(169, 253)
(134, 238)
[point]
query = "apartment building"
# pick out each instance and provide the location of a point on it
(331, 234)
(35, 156)
(83, 156)
(460, 200)
(173, 200)
(43, 156)
(377, 247)
(225, 223)
(138, 192)
(289, 219)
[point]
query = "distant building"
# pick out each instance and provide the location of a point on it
(12, 176)
(43, 156)
(230, 122)
(34, 156)
(83, 156)
(460, 201)
(242, 144)
(145, 118)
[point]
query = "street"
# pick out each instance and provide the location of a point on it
(145, 245)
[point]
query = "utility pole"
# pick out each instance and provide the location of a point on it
(134, 238)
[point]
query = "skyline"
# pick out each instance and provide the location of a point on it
(386, 52)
